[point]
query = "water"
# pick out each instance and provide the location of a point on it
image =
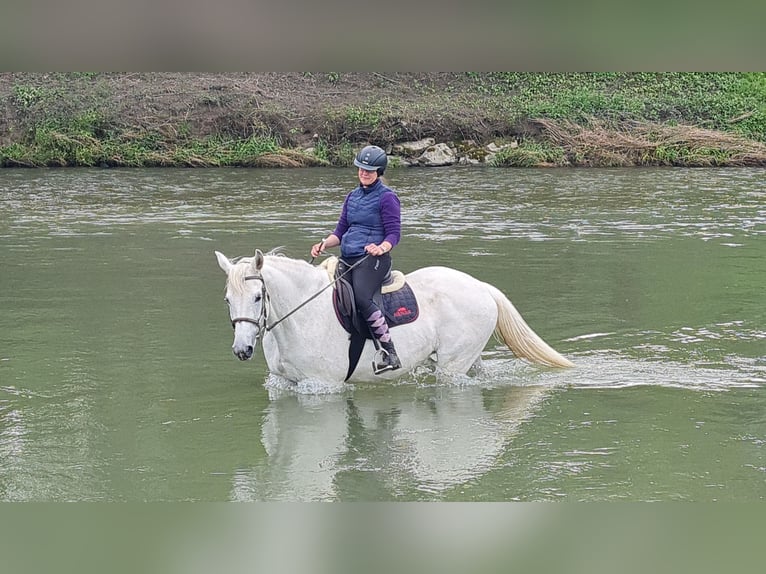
(117, 382)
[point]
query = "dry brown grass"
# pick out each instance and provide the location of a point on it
(647, 144)
(286, 158)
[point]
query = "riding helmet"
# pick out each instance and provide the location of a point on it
(372, 158)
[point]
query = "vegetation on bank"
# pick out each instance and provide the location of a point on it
(564, 119)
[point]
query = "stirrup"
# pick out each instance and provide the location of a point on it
(384, 364)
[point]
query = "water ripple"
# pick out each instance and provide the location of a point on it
(650, 204)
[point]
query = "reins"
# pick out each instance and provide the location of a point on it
(307, 301)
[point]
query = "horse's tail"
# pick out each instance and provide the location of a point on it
(520, 338)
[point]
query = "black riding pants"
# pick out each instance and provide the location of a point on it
(367, 278)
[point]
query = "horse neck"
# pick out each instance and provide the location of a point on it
(290, 282)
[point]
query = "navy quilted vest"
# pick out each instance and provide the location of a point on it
(364, 222)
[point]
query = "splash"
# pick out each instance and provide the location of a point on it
(277, 386)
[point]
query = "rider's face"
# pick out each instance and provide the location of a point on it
(367, 177)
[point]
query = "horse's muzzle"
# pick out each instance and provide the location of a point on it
(243, 354)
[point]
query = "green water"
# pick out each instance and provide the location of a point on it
(117, 381)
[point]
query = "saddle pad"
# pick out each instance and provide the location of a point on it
(399, 307)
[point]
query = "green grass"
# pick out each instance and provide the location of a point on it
(712, 100)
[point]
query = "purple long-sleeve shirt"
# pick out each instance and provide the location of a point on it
(390, 215)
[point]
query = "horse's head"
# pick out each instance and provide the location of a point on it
(245, 295)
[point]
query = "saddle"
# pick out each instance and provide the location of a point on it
(396, 299)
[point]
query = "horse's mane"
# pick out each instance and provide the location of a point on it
(242, 264)
(275, 251)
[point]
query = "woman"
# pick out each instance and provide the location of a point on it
(368, 229)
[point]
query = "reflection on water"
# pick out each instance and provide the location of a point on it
(366, 445)
(117, 380)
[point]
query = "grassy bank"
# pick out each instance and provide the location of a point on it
(284, 120)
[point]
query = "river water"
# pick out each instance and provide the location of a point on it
(117, 381)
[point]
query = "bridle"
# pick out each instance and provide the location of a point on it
(262, 321)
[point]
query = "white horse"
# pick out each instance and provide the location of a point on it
(287, 304)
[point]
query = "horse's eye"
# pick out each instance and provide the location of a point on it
(226, 299)
(257, 298)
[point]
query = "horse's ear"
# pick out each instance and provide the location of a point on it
(258, 260)
(223, 262)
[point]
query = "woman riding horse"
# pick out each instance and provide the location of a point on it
(368, 229)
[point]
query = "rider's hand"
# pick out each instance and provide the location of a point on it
(375, 250)
(316, 249)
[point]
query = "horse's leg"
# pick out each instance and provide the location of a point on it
(477, 368)
(272, 356)
(456, 360)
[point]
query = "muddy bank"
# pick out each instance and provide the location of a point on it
(311, 119)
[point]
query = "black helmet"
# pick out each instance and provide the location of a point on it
(372, 158)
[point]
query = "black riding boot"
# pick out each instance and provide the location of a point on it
(386, 358)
